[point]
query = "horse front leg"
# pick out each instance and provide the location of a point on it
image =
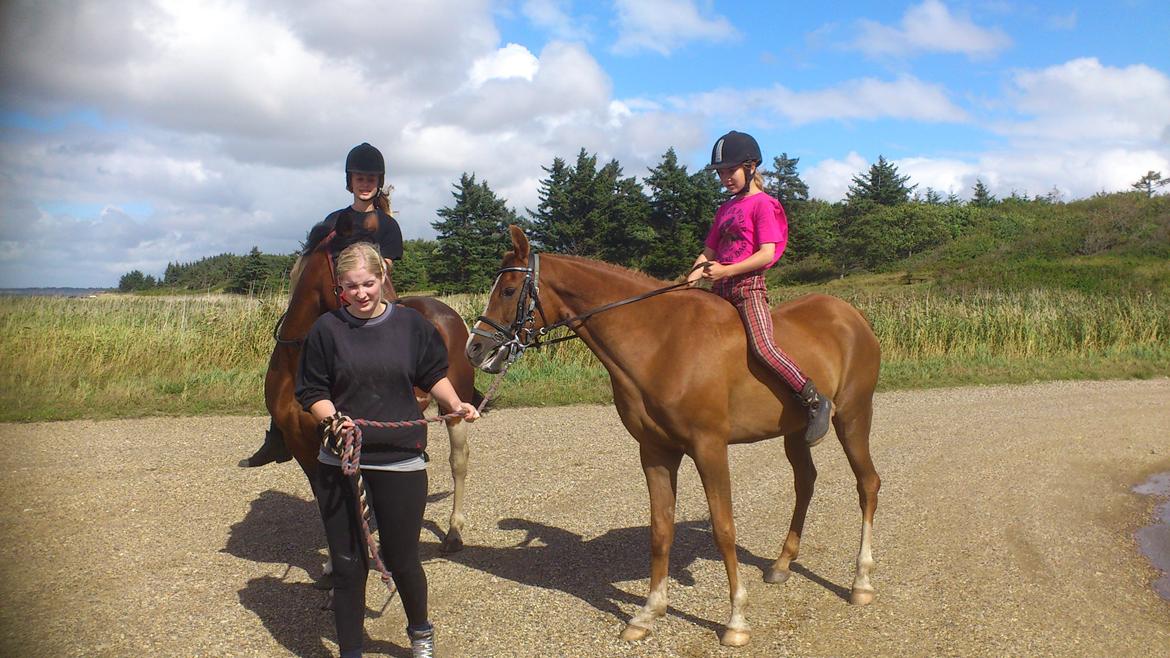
(804, 475)
(711, 461)
(457, 430)
(661, 468)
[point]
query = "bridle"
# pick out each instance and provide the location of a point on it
(523, 333)
(322, 246)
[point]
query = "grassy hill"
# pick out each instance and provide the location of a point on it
(1109, 244)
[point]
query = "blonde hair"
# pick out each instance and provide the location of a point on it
(359, 255)
(757, 177)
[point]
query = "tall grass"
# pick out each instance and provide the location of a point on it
(128, 355)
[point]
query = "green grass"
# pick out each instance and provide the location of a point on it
(127, 356)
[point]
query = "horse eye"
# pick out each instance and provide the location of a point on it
(508, 292)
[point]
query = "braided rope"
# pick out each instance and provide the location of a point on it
(349, 443)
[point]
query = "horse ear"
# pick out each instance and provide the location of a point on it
(519, 242)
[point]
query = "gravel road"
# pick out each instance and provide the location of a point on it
(1005, 526)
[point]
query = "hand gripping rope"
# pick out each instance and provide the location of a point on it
(347, 446)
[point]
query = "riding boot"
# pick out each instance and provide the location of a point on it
(273, 450)
(819, 410)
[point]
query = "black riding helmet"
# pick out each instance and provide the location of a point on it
(365, 159)
(734, 149)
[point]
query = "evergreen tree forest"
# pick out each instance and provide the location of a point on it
(656, 222)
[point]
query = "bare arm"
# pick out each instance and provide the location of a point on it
(696, 273)
(448, 399)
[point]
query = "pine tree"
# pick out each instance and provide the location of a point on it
(981, 197)
(472, 236)
(253, 275)
(681, 209)
(784, 183)
(550, 228)
(1148, 182)
(591, 212)
(135, 280)
(881, 185)
(412, 271)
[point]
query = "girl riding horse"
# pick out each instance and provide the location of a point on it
(365, 175)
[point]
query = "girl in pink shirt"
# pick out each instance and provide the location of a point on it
(747, 237)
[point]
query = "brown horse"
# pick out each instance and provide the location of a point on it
(315, 292)
(684, 383)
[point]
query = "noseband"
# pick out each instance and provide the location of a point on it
(522, 334)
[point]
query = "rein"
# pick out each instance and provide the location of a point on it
(510, 337)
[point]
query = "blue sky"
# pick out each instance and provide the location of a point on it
(139, 133)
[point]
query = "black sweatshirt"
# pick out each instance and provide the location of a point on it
(368, 369)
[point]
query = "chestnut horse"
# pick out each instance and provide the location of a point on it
(684, 383)
(315, 292)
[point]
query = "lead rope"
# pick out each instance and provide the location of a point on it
(349, 450)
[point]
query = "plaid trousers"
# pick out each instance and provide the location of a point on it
(749, 294)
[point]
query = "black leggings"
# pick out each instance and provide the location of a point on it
(397, 500)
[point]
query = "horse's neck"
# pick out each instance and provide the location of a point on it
(582, 285)
(308, 300)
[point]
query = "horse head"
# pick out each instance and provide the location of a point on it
(512, 310)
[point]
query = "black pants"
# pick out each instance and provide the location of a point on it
(397, 501)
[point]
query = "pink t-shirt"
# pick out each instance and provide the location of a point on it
(742, 225)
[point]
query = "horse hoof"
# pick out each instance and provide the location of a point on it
(633, 633)
(776, 576)
(452, 543)
(735, 638)
(861, 596)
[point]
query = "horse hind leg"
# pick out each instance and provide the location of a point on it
(854, 434)
(457, 431)
(804, 476)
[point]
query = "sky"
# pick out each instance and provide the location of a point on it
(142, 132)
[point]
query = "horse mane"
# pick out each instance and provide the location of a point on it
(323, 228)
(631, 274)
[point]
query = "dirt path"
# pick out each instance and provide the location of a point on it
(998, 533)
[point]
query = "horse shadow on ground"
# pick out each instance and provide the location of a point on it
(553, 558)
(283, 529)
(280, 528)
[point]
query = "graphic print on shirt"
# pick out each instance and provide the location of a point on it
(735, 242)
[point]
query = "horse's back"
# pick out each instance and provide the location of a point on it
(831, 340)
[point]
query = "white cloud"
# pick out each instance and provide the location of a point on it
(1083, 100)
(511, 61)
(930, 27)
(553, 15)
(1062, 21)
(663, 26)
(830, 178)
(1076, 172)
(863, 99)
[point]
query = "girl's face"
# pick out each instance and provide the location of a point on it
(733, 179)
(365, 186)
(363, 292)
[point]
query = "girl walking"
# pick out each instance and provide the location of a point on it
(363, 361)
